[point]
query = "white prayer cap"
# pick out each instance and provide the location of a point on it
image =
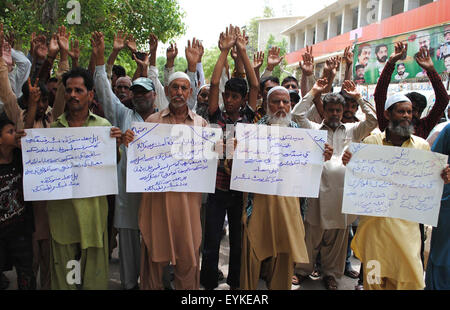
(203, 86)
(178, 75)
(394, 99)
(273, 89)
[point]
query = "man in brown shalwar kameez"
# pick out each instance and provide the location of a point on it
(170, 222)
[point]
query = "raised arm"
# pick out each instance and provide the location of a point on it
(53, 49)
(226, 41)
(112, 106)
(74, 52)
(120, 42)
(307, 67)
(330, 70)
(361, 129)
(192, 53)
(423, 58)
(348, 59)
(273, 60)
(33, 99)
(258, 60)
(7, 96)
(381, 89)
(241, 45)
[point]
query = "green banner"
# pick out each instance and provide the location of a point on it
(370, 57)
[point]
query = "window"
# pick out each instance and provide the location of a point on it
(325, 30)
(397, 7)
(338, 24)
(355, 18)
(423, 2)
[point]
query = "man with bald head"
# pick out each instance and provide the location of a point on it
(170, 221)
(127, 205)
(394, 243)
(273, 235)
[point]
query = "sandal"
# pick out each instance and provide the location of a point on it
(330, 283)
(298, 279)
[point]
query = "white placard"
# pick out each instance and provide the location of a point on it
(277, 160)
(65, 163)
(395, 182)
(172, 158)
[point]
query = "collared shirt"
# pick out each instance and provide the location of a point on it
(394, 243)
(81, 220)
(424, 125)
(222, 119)
(325, 211)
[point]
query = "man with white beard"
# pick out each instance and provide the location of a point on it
(273, 234)
(326, 228)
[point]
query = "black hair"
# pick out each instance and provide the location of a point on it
(361, 47)
(52, 79)
(377, 48)
(238, 85)
(4, 120)
(289, 79)
(400, 64)
(359, 67)
(269, 78)
(346, 96)
(333, 98)
(79, 72)
(418, 99)
(119, 71)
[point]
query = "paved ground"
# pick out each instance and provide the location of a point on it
(344, 283)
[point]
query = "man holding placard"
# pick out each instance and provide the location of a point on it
(170, 221)
(273, 238)
(78, 226)
(326, 228)
(381, 241)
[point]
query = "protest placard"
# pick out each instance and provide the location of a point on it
(277, 160)
(395, 182)
(177, 158)
(65, 163)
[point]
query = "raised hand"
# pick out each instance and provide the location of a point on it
(274, 58)
(120, 41)
(331, 65)
(351, 90)
(227, 39)
(98, 44)
(307, 65)
(40, 47)
(172, 52)
(153, 43)
(348, 56)
(63, 39)
(192, 53)
(423, 58)
(258, 60)
(142, 63)
(131, 44)
(74, 49)
(35, 92)
(53, 46)
(399, 52)
(241, 41)
(320, 86)
(202, 51)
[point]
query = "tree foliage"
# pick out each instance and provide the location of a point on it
(136, 17)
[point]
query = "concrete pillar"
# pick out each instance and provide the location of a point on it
(292, 45)
(362, 13)
(384, 9)
(308, 35)
(319, 31)
(346, 19)
(300, 40)
(332, 26)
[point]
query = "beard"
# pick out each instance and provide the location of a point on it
(283, 121)
(142, 105)
(400, 130)
(202, 109)
(382, 59)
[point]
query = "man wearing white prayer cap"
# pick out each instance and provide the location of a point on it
(273, 232)
(170, 221)
(393, 243)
